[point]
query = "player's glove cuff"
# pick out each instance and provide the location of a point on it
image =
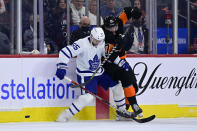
(62, 66)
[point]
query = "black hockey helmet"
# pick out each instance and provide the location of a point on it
(110, 21)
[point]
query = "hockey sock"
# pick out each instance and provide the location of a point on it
(127, 106)
(118, 95)
(130, 95)
(129, 91)
(132, 100)
(127, 103)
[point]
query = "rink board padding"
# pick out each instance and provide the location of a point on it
(89, 113)
(102, 109)
(29, 90)
(44, 114)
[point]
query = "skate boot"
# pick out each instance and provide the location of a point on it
(124, 115)
(137, 110)
(64, 116)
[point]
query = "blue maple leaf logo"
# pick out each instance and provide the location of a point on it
(94, 64)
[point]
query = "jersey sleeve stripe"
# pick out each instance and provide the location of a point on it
(61, 64)
(65, 54)
(69, 51)
(123, 57)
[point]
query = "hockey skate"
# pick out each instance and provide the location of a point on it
(137, 110)
(64, 116)
(124, 114)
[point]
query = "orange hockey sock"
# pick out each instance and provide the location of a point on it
(129, 92)
(126, 101)
(130, 97)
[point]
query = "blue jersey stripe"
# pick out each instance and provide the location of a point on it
(71, 111)
(86, 71)
(65, 54)
(119, 100)
(121, 105)
(61, 64)
(75, 107)
(69, 51)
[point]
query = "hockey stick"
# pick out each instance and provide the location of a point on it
(132, 116)
(93, 75)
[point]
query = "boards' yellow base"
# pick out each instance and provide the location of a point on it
(165, 111)
(89, 113)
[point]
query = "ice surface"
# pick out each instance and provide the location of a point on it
(173, 124)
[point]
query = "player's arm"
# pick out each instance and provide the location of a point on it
(118, 56)
(64, 56)
(128, 13)
(119, 51)
(69, 51)
(122, 63)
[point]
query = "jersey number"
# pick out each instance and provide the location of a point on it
(75, 46)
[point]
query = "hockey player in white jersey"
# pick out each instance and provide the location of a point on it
(89, 51)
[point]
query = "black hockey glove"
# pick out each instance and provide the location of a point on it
(133, 13)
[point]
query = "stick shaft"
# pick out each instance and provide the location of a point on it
(98, 97)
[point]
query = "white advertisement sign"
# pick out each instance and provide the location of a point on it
(31, 82)
(166, 80)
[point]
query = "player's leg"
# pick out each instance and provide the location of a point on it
(128, 81)
(131, 99)
(119, 99)
(79, 103)
(106, 82)
(118, 96)
(76, 107)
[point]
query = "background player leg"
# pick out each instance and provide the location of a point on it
(131, 99)
(119, 99)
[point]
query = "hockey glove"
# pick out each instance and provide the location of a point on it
(124, 64)
(61, 70)
(133, 13)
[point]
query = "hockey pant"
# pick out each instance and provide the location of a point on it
(117, 73)
(128, 81)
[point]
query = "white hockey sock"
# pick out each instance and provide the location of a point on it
(78, 104)
(118, 95)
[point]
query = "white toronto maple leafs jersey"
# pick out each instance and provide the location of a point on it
(88, 56)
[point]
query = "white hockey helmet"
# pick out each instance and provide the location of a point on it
(98, 33)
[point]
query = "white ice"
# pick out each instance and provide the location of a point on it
(173, 124)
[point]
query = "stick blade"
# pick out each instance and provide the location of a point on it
(144, 120)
